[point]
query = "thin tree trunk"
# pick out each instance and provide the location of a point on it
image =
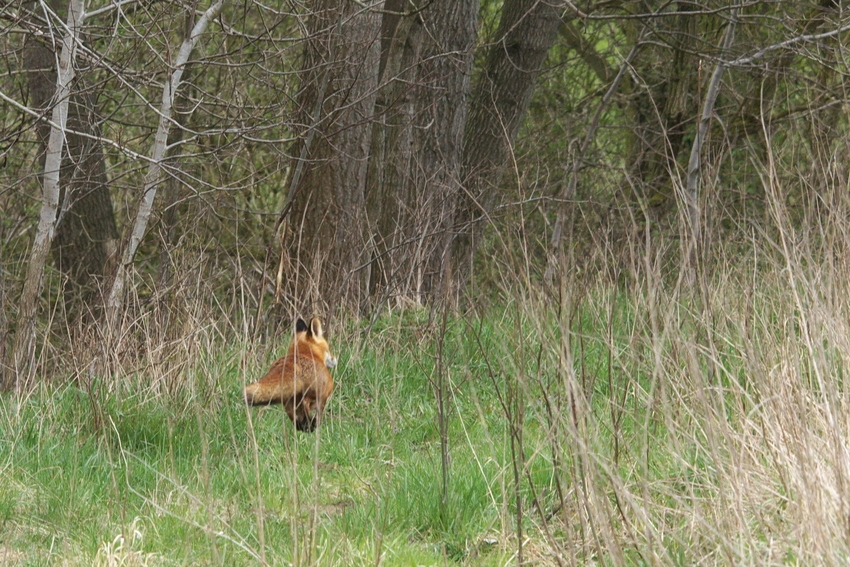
(5, 370)
(171, 191)
(662, 110)
(695, 161)
(23, 351)
(86, 233)
(527, 31)
(568, 190)
(153, 177)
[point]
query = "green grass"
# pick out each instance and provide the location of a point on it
(674, 436)
(175, 475)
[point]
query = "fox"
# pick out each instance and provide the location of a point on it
(301, 380)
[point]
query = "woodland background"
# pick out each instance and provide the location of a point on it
(621, 227)
(340, 157)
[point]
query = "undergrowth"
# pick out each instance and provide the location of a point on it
(630, 423)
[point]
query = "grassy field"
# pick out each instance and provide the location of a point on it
(636, 423)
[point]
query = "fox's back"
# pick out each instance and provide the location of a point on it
(300, 376)
(304, 371)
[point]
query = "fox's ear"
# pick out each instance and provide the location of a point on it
(315, 327)
(301, 326)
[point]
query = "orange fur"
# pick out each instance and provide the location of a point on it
(301, 379)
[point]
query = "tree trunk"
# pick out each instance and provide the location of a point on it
(568, 190)
(171, 192)
(441, 109)
(24, 348)
(389, 194)
(526, 33)
(5, 370)
(86, 233)
(691, 197)
(325, 212)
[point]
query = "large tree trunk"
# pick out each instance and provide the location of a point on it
(86, 233)
(325, 211)
(441, 111)
(526, 33)
(389, 195)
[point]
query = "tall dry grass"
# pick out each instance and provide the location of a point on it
(690, 420)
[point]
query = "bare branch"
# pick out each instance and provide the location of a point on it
(154, 174)
(23, 350)
(806, 38)
(586, 51)
(63, 128)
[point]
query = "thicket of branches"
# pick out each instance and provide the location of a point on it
(257, 160)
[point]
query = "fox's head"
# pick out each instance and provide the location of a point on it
(311, 336)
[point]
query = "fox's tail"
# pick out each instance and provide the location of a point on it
(259, 393)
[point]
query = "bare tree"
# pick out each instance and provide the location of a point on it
(325, 210)
(86, 233)
(527, 31)
(158, 151)
(24, 347)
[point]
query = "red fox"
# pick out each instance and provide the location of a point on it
(300, 379)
